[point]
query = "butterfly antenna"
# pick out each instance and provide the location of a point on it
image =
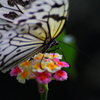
(77, 50)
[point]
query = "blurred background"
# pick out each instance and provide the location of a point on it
(82, 31)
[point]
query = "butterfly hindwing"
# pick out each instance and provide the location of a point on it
(20, 43)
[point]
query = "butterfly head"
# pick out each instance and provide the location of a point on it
(51, 44)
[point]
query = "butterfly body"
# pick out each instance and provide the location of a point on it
(32, 32)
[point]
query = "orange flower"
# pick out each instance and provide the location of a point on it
(39, 56)
(22, 76)
(51, 67)
(38, 66)
(26, 63)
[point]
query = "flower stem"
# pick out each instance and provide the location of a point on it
(44, 92)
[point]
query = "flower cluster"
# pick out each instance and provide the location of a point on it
(42, 67)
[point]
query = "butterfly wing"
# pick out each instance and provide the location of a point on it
(9, 10)
(19, 44)
(48, 14)
(39, 24)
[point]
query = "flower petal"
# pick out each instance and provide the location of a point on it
(15, 71)
(43, 78)
(51, 67)
(60, 75)
(61, 63)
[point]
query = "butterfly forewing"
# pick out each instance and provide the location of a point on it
(57, 19)
(50, 15)
(9, 10)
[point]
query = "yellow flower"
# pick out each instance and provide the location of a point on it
(39, 56)
(26, 64)
(39, 66)
(22, 76)
(51, 67)
(55, 55)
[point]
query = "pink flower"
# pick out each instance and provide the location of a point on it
(15, 71)
(61, 63)
(60, 75)
(43, 78)
(55, 55)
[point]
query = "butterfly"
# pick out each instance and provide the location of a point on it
(29, 27)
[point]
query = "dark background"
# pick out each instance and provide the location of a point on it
(84, 25)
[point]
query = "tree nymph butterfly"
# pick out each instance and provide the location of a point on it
(27, 28)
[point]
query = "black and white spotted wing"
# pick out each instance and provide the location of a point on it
(33, 32)
(9, 10)
(48, 14)
(19, 44)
